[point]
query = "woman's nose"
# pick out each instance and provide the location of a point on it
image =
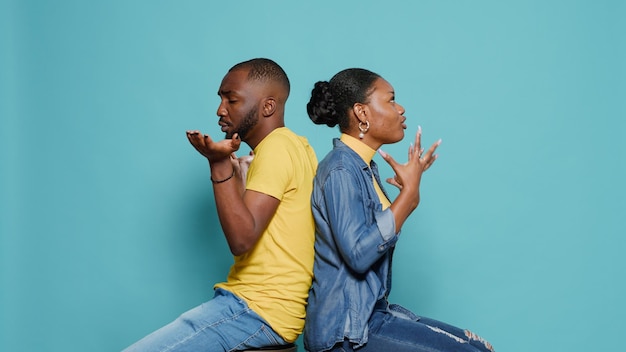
(400, 109)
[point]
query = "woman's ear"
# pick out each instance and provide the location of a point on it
(360, 111)
(269, 107)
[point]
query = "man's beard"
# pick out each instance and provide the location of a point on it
(248, 123)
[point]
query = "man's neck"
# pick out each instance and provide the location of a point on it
(261, 133)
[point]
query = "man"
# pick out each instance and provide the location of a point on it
(266, 219)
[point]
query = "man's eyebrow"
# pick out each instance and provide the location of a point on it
(224, 92)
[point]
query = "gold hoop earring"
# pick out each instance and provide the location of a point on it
(363, 130)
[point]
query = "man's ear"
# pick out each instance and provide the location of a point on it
(269, 107)
(360, 112)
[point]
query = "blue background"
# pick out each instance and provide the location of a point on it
(108, 227)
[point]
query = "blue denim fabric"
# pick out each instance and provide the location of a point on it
(397, 329)
(353, 249)
(225, 323)
(347, 307)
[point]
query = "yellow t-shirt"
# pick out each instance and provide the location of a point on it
(367, 154)
(275, 276)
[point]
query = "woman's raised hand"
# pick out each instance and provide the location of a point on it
(408, 175)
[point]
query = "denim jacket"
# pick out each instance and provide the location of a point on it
(353, 249)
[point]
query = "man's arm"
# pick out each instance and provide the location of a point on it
(243, 214)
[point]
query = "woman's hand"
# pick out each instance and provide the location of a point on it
(409, 174)
(408, 177)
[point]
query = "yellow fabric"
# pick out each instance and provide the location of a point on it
(367, 154)
(274, 277)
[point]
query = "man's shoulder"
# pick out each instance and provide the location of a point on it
(284, 136)
(283, 133)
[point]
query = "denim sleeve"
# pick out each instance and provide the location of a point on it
(361, 238)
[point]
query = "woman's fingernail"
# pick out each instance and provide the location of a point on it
(382, 153)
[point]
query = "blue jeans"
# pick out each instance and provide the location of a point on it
(225, 323)
(399, 330)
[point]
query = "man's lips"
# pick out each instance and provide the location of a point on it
(224, 125)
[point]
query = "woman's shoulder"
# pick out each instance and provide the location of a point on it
(340, 159)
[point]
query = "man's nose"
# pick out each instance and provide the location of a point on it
(221, 110)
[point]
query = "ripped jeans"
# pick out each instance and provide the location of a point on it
(397, 329)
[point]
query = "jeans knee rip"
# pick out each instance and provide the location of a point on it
(470, 335)
(456, 338)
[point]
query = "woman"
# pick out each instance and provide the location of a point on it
(358, 226)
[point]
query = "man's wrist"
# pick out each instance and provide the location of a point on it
(222, 171)
(224, 179)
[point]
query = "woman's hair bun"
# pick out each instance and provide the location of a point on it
(321, 107)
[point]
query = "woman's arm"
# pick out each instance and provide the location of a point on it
(360, 242)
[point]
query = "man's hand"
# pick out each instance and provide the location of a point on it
(240, 168)
(242, 164)
(214, 151)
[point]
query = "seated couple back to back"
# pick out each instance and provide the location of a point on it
(270, 203)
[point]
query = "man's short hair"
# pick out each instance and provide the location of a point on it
(264, 70)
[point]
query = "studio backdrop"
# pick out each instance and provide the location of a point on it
(108, 228)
